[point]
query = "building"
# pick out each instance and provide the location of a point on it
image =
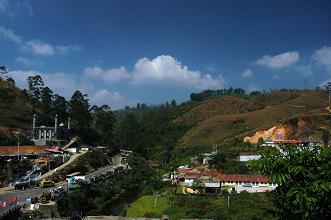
(43, 134)
(194, 181)
(8, 152)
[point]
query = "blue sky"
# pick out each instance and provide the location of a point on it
(123, 52)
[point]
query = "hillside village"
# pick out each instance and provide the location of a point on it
(172, 110)
(223, 168)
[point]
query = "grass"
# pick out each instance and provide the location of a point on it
(144, 206)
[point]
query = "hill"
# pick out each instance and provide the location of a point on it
(15, 107)
(228, 117)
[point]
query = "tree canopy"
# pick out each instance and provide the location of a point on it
(304, 177)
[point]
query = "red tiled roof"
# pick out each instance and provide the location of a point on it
(235, 177)
(191, 175)
(243, 178)
(10, 150)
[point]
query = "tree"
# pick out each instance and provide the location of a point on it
(11, 81)
(130, 133)
(3, 71)
(60, 108)
(104, 123)
(79, 111)
(35, 84)
(46, 96)
(328, 88)
(173, 103)
(303, 175)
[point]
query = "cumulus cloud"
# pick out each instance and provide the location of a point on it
(322, 57)
(167, 70)
(279, 61)
(103, 95)
(247, 73)
(39, 48)
(109, 75)
(36, 46)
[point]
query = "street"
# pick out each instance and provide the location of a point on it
(22, 195)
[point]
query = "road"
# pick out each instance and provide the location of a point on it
(22, 195)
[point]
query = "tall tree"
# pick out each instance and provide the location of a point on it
(104, 123)
(60, 108)
(79, 111)
(35, 84)
(46, 96)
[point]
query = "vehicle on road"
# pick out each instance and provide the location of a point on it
(46, 183)
(25, 185)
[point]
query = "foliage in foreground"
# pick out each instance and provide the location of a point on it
(304, 177)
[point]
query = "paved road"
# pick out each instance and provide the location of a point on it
(22, 195)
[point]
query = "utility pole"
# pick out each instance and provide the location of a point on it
(228, 201)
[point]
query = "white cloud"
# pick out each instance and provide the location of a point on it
(323, 58)
(37, 46)
(65, 84)
(103, 95)
(279, 61)
(110, 75)
(60, 83)
(167, 70)
(247, 73)
(8, 34)
(24, 61)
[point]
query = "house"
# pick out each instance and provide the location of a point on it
(195, 182)
(250, 183)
